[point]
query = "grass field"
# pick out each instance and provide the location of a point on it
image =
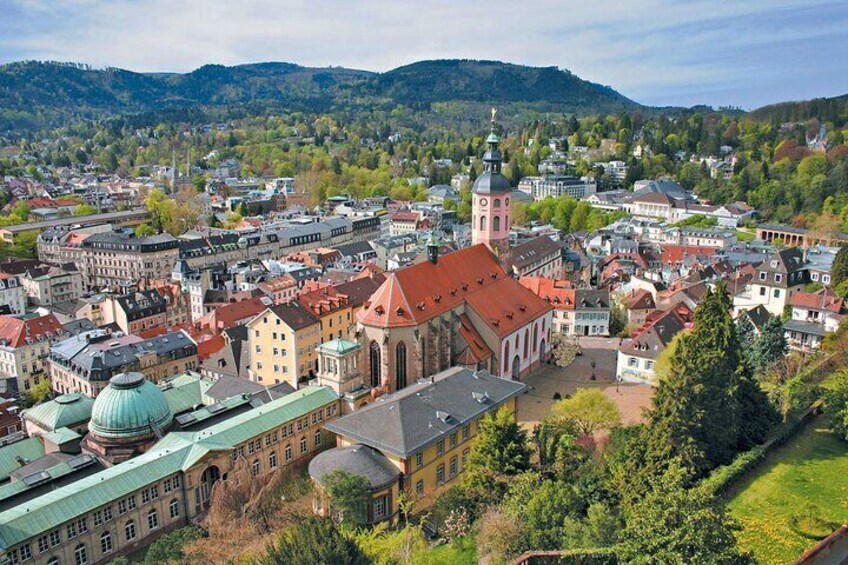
(797, 496)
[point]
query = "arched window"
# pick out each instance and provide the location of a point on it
(106, 542)
(483, 224)
(506, 358)
(152, 519)
(506, 202)
(497, 202)
(526, 343)
(400, 365)
(535, 337)
(53, 561)
(496, 223)
(81, 555)
(374, 358)
(129, 530)
(255, 468)
(174, 508)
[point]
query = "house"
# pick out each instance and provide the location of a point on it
(758, 316)
(577, 312)
(281, 344)
(12, 293)
(416, 439)
(638, 304)
(776, 279)
(538, 257)
(24, 349)
(48, 284)
(637, 355)
(407, 222)
(814, 315)
(557, 185)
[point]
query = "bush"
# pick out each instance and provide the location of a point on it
(170, 546)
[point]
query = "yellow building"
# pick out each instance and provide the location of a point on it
(281, 344)
(336, 306)
(424, 432)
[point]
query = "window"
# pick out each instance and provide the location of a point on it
(256, 467)
(72, 530)
(43, 544)
(81, 555)
(419, 459)
(106, 542)
(400, 365)
(763, 275)
(174, 508)
(152, 519)
(453, 439)
(649, 365)
(129, 530)
(440, 474)
(453, 466)
(497, 202)
(55, 538)
(288, 453)
(419, 487)
(380, 507)
(374, 363)
(145, 496)
(131, 502)
(762, 291)
(317, 439)
(465, 457)
(483, 224)
(26, 552)
(632, 362)
(272, 461)
(826, 279)
(303, 445)
(777, 293)
(466, 431)
(440, 447)
(496, 223)
(53, 561)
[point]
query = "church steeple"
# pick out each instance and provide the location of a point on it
(491, 207)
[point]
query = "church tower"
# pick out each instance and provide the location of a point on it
(491, 206)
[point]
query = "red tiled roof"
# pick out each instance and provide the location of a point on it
(640, 300)
(228, 315)
(477, 348)
(823, 299)
(673, 254)
(557, 292)
(406, 217)
(209, 347)
(18, 333)
(417, 293)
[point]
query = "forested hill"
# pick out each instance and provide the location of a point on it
(37, 95)
(833, 109)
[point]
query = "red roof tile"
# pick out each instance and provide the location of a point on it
(18, 333)
(823, 299)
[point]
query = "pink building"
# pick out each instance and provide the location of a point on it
(491, 204)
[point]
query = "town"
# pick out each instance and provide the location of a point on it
(460, 311)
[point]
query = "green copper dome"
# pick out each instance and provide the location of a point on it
(131, 406)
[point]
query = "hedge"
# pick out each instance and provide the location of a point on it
(728, 475)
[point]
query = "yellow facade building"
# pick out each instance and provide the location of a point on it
(423, 432)
(281, 344)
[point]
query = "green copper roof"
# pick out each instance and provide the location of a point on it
(185, 392)
(339, 345)
(177, 451)
(61, 435)
(130, 406)
(30, 449)
(63, 411)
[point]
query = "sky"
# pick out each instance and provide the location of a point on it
(743, 53)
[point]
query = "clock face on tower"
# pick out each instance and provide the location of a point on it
(483, 202)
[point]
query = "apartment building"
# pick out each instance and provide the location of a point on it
(281, 343)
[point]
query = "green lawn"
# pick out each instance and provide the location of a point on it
(744, 236)
(465, 554)
(800, 489)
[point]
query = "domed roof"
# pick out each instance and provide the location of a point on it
(491, 183)
(355, 459)
(130, 406)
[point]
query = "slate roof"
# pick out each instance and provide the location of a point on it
(404, 422)
(527, 253)
(651, 339)
(294, 315)
(359, 460)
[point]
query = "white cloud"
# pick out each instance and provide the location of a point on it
(646, 49)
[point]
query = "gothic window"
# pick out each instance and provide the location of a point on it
(535, 336)
(496, 223)
(374, 357)
(483, 224)
(506, 358)
(526, 343)
(400, 365)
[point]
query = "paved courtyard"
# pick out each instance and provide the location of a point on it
(598, 359)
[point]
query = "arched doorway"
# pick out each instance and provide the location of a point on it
(542, 358)
(210, 476)
(374, 363)
(516, 368)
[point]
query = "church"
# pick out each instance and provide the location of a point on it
(460, 309)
